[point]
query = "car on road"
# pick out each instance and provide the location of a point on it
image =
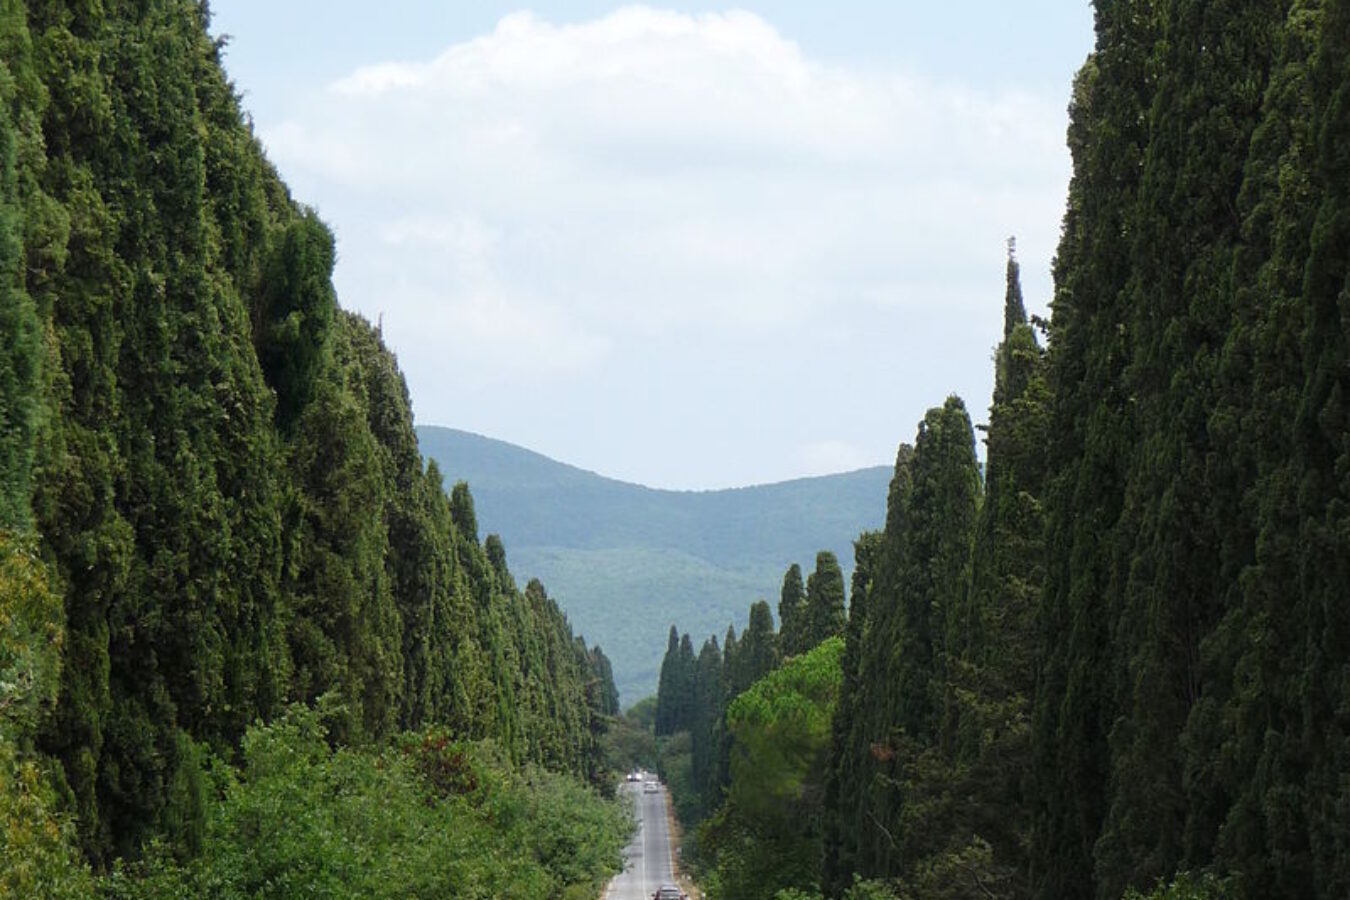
(634, 776)
(651, 787)
(669, 892)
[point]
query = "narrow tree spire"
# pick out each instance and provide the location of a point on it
(791, 602)
(1014, 311)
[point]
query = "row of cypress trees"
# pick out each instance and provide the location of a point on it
(694, 691)
(1121, 658)
(1129, 659)
(930, 746)
(215, 465)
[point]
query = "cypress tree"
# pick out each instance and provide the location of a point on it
(667, 687)
(791, 611)
(607, 703)
(1180, 306)
(298, 310)
(706, 714)
(843, 789)
(919, 581)
(730, 660)
(822, 614)
(682, 716)
(996, 629)
(1090, 424)
(462, 512)
(758, 650)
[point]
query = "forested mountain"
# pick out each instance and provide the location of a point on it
(626, 561)
(213, 509)
(1119, 663)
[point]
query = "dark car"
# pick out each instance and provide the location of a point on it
(669, 892)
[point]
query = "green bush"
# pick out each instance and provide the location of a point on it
(431, 817)
(37, 842)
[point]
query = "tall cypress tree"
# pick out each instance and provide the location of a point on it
(791, 612)
(668, 687)
(758, 651)
(706, 714)
(602, 676)
(919, 581)
(684, 684)
(843, 787)
(1090, 420)
(822, 613)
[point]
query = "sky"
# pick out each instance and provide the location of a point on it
(692, 246)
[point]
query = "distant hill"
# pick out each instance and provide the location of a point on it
(625, 561)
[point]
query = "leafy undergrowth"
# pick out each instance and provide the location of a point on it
(430, 817)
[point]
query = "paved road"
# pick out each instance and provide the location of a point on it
(648, 858)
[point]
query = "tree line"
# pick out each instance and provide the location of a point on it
(1115, 660)
(212, 503)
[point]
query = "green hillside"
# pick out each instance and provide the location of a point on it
(625, 561)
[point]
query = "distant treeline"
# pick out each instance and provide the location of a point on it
(1120, 661)
(212, 504)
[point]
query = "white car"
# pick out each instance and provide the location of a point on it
(651, 787)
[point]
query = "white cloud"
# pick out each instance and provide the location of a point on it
(546, 193)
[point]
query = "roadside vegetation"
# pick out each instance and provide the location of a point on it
(251, 644)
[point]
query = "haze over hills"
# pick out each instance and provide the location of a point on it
(626, 561)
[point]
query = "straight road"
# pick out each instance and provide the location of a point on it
(649, 862)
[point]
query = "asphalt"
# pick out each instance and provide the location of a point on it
(649, 860)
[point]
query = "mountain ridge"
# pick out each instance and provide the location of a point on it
(626, 560)
(518, 449)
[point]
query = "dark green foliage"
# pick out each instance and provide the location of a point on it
(704, 725)
(38, 856)
(1088, 421)
(822, 614)
(691, 707)
(923, 583)
(672, 690)
(156, 495)
(434, 817)
(1176, 726)
(758, 652)
(991, 641)
(298, 306)
(682, 711)
(1127, 671)
(461, 511)
(602, 678)
(893, 803)
(20, 330)
(841, 777)
(791, 608)
(767, 834)
(1186, 718)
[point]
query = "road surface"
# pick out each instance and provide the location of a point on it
(648, 859)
